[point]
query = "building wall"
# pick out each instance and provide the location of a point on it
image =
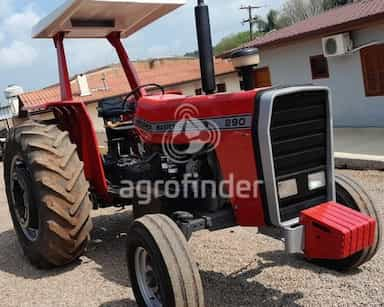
(232, 82)
(291, 65)
(97, 121)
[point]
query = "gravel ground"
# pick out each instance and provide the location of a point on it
(238, 266)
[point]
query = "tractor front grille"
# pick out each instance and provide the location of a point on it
(299, 133)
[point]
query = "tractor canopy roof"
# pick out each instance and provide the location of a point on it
(98, 18)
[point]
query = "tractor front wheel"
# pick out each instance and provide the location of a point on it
(47, 194)
(350, 194)
(161, 268)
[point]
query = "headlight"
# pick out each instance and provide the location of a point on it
(316, 181)
(288, 188)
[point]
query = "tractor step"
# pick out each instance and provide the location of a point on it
(212, 221)
(333, 231)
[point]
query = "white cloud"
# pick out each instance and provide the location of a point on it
(16, 48)
(158, 51)
(22, 59)
(5, 7)
(88, 54)
(17, 54)
(18, 25)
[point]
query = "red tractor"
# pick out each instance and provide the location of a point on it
(261, 158)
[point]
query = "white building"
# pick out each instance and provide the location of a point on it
(295, 55)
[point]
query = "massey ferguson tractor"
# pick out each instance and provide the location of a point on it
(166, 154)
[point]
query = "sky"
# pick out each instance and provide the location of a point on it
(32, 63)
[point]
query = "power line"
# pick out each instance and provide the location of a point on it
(251, 20)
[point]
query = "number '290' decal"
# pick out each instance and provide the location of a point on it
(223, 123)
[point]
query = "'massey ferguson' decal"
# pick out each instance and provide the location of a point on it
(223, 123)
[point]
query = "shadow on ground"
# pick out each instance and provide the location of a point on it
(239, 290)
(280, 258)
(121, 303)
(13, 261)
(107, 250)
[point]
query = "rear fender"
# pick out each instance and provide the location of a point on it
(73, 117)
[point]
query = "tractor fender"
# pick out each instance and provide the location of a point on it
(72, 116)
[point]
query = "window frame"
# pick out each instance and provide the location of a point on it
(368, 54)
(198, 91)
(265, 72)
(319, 75)
(224, 87)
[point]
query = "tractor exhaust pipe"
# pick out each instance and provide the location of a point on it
(204, 38)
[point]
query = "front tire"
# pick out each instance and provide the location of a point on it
(161, 268)
(350, 194)
(47, 194)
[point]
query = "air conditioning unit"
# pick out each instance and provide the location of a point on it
(337, 45)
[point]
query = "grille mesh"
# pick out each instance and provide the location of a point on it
(299, 146)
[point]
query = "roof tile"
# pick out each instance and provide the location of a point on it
(166, 72)
(331, 20)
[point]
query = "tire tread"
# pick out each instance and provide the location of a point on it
(183, 272)
(63, 191)
(365, 206)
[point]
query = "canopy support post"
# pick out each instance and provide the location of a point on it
(130, 71)
(65, 84)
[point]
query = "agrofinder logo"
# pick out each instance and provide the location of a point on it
(183, 139)
(189, 135)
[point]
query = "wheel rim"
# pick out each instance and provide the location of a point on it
(146, 278)
(24, 208)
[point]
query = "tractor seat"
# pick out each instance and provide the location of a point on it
(113, 108)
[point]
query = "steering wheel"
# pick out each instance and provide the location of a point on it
(144, 86)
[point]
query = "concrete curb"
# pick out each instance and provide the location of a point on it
(358, 162)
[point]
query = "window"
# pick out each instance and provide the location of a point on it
(263, 77)
(242, 87)
(198, 91)
(319, 67)
(221, 88)
(372, 60)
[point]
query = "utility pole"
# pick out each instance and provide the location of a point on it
(251, 20)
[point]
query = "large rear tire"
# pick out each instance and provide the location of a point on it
(350, 194)
(161, 268)
(47, 194)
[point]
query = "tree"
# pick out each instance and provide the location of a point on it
(232, 41)
(272, 22)
(330, 4)
(293, 11)
(227, 43)
(193, 54)
(298, 10)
